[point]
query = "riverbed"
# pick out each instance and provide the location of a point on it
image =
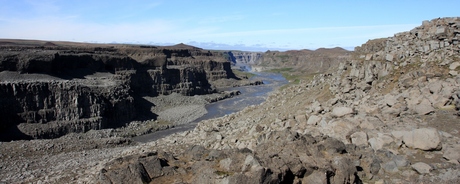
(250, 95)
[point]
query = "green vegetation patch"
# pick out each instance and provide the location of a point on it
(283, 58)
(223, 173)
(280, 70)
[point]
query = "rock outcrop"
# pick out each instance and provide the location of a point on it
(48, 90)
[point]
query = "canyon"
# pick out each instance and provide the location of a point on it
(387, 112)
(52, 89)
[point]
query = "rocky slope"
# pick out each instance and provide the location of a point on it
(374, 120)
(49, 89)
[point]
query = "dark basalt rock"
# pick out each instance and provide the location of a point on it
(50, 89)
(283, 157)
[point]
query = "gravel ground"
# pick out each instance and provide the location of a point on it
(182, 114)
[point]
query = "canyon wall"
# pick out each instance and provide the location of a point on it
(50, 89)
(247, 58)
(309, 61)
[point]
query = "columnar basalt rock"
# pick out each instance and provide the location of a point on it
(52, 109)
(49, 91)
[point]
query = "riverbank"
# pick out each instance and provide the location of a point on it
(192, 110)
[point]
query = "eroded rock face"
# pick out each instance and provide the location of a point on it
(48, 91)
(307, 61)
(52, 109)
(249, 58)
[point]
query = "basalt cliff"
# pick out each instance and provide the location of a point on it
(49, 89)
(294, 62)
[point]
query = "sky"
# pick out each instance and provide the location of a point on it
(252, 25)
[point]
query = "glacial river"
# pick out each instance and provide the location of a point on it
(250, 95)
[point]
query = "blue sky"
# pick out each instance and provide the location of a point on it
(256, 25)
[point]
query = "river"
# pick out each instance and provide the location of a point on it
(250, 95)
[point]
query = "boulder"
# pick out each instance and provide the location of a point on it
(389, 57)
(368, 57)
(454, 65)
(424, 138)
(398, 136)
(441, 31)
(340, 129)
(390, 167)
(301, 118)
(400, 161)
(125, 170)
(316, 107)
(390, 100)
(313, 120)
(438, 101)
(341, 111)
(359, 138)
(315, 177)
(380, 141)
(435, 87)
(422, 168)
(452, 153)
(424, 107)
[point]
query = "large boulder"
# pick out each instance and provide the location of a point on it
(423, 138)
(380, 141)
(359, 138)
(341, 111)
(424, 107)
(313, 120)
(422, 168)
(452, 153)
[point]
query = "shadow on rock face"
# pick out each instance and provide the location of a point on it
(143, 109)
(13, 133)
